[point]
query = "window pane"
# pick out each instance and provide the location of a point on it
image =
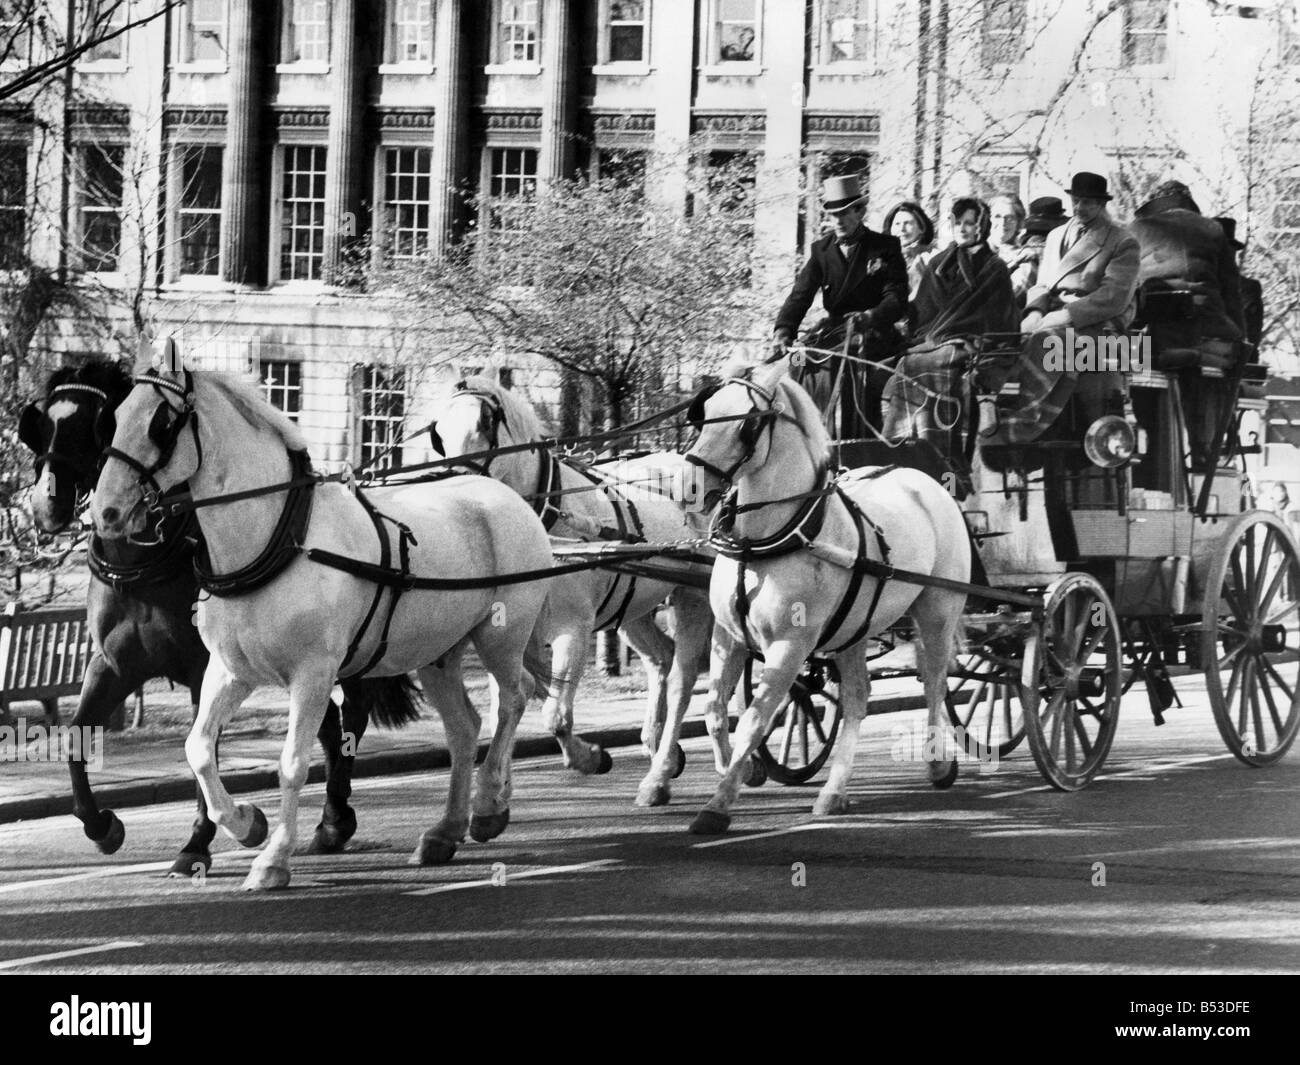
(383, 407)
(13, 207)
(201, 178)
(625, 43)
(205, 31)
(97, 19)
(302, 226)
(736, 30)
(410, 31)
(282, 386)
(1145, 23)
(407, 181)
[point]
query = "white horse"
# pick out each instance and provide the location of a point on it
(296, 627)
(591, 503)
(794, 591)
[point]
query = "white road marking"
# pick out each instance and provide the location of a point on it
(1153, 768)
(553, 870)
(36, 959)
(114, 870)
(760, 835)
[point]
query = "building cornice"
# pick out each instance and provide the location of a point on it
(176, 116)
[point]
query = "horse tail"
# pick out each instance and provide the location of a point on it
(392, 702)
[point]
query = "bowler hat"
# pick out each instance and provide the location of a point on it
(841, 193)
(1045, 214)
(1230, 231)
(1089, 186)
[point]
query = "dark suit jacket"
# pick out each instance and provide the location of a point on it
(1181, 250)
(1252, 308)
(874, 279)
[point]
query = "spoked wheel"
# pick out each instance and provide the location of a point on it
(1249, 641)
(803, 731)
(1072, 680)
(992, 718)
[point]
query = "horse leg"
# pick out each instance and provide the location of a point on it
(937, 614)
(785, 658)
(221, 696)
(445, 690)
(339, 741)
(855, 689)
(309, 694)
(656, 651)
(694, 622)
(195, 857)
(101, 690)
(499, 649)
(726, 663)
(568, 660)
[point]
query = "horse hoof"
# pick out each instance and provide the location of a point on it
(680, 757)
(755, 772)
(433, 850)
(329, 839)
(112, 840)
(948, 779)
(258, 833)
(190, 865)
(267, 878)
(709, 823)
(830, 806)
(655, 795)
(483, 827)
(605, 764)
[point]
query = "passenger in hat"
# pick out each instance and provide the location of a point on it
(965, 290)
(1086, 280)
(862, 279)
(915, 232)
(1252, 292)
(1186, 258)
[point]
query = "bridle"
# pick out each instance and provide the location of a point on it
(165, 428)
(491, 429)
(750, 433)
(85, 472)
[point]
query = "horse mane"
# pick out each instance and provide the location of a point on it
(251, 405)
(520, 417)
(105, 374)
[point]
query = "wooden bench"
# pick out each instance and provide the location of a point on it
(43, 658)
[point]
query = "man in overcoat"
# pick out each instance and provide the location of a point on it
(862, 279)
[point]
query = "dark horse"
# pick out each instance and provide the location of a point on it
(140, 609)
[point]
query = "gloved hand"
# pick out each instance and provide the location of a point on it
(780, 345)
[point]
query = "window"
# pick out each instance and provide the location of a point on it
(625, 31)
(625, 167)
(15, 31)
(199, 211)
(517, 31)
(1002, 32)
(849, 31)
(735, 31)
(383, 408)
(410, 31)
(13, 206)
(512, 184)
(1146, 23)
(203, 31)
(98, 19)
(1000, 182)
(1286, 212)
(306, 36)
(100, 207)
(282, 385)
(407, 179)
(302, 213)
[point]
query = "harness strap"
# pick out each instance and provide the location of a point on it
(548, 481)
(629, 531)
(391, 578)
(742, 608)
(862, 566)
(385, 557)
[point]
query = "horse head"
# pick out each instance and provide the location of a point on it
(67, 431)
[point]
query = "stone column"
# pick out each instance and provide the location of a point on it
(241, 181)
(556, 158)
(343, 158)
(449, 129)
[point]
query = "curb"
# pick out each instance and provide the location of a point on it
(382, 763)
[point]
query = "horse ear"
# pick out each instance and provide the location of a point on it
(695, 413)
(105, 426)
(435, 441)
(769, 375)
(29, 427)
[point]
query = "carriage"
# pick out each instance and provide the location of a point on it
(1145, 569)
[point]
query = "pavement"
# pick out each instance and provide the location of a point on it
(140, 769)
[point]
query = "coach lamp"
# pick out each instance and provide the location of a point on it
(1110, 442)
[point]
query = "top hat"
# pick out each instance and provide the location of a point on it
(841, 193)
(1230, 231)
(1045, 214)
(1089, 186)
